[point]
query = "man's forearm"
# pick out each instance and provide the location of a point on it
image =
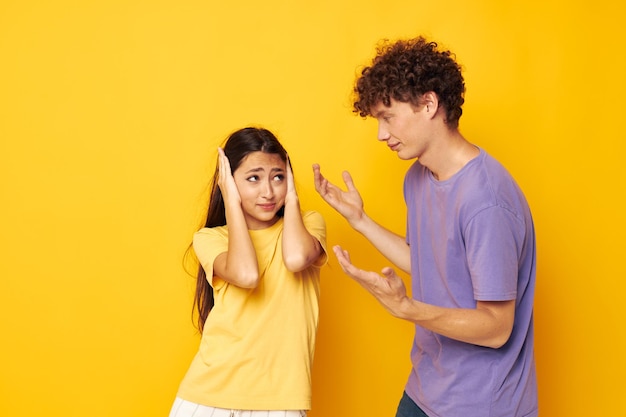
(392, 246)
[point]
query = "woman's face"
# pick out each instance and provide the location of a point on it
(261, 179)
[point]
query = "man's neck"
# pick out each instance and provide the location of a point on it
(448, 155)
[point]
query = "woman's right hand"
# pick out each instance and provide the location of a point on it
(226, 182)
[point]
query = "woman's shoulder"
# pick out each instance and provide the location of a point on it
(208, 232)
(312, 216)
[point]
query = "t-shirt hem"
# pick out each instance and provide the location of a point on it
(248, 404)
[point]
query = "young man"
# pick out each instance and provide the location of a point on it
(469, 245)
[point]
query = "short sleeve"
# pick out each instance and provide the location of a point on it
(208, 243)
(494, 240)
(315, 224)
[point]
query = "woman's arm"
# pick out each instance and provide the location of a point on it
(239, 265)
(300, 248)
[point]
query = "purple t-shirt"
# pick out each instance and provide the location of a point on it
(472, 238)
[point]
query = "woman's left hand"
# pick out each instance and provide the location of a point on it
(291, 187)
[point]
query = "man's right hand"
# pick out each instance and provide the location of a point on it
(348, 203)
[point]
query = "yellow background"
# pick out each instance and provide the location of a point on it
(110, 113)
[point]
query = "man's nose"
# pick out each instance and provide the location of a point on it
(383, 134)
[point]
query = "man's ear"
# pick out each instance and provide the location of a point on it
(430, 102)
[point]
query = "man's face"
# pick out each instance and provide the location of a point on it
(403, 127)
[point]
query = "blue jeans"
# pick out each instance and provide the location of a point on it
(408, 408)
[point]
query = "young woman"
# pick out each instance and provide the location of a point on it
(260, 260)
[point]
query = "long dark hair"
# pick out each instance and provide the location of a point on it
(237, 147)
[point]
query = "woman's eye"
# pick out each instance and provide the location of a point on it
(279, 177)
(253, 178)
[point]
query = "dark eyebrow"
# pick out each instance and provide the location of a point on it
(380, 113)
(259, 169)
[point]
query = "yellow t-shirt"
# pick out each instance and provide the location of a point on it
(257, 345)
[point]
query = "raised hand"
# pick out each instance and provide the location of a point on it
(226, 182)
(388, 289)
(291, 188)
(348, 203)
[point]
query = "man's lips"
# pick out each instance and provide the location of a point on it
(393, 146)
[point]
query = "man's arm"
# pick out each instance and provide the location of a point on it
(489, 324)
(350, 205)
(392, 246)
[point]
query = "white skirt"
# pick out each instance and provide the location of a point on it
(182, 408)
